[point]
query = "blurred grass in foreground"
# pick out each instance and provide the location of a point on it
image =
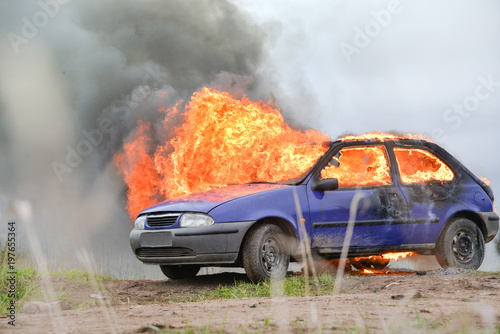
(25, 283)
(290, 286)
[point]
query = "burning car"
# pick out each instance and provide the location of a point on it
(384, 194)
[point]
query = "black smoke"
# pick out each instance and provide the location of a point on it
(76, 76)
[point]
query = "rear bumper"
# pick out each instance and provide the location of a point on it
(490, 220)
(216, 244)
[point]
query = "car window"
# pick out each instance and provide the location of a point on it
(417, 165)
(359, 166)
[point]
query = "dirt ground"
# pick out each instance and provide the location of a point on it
(441, 301)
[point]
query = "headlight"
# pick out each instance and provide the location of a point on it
(195, 220)
(139, 222)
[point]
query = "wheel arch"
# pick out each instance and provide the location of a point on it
(282, 223)
(472, 216)
(447, 257)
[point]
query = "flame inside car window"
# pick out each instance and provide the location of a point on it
(417, 165)
(359, 166)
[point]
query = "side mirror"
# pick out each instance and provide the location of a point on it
(326, 184)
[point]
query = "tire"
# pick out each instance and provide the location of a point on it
(376, 262)
(460, 244)
(178, 272)
(265, 254)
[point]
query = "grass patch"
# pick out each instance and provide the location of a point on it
(14, 286)
(290, 286)
(79, 276)
(26, 281)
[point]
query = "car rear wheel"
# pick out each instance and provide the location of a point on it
(265, 254)
(460, 244)
(178, 271)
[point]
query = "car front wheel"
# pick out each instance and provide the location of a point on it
(461, 244)
(178, 272)
(265, 254)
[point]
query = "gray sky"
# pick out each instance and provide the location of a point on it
(420, 73)
(424, 67)
(70, 70)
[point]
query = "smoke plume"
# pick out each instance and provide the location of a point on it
(75, 79)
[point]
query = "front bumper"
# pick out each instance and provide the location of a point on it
(490, 220)
(216, 244)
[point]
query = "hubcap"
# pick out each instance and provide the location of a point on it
(463, 246)
(270, 254)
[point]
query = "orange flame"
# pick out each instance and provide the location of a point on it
(486, 181)
(383, 136)
(397, 256)
(222, 141)
(368, 166)
(387, 256)
(360, 166)
(421, 166)
(225, 141)
(138, 170)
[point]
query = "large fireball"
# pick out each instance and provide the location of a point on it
(222, 141)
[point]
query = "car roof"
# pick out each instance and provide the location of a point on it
(397, 141)
(391, 142)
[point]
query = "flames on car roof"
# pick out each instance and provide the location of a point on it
(383, 136)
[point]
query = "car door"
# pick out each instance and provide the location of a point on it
(365, 188)
(426, 181)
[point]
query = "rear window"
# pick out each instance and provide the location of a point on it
(417, 165)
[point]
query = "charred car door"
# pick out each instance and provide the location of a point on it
(427, 184)
(366, 194)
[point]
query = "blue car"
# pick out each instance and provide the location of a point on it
(376, 196)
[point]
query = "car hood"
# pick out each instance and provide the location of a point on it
(206, 201)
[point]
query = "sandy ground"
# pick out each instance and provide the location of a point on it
(441, 301)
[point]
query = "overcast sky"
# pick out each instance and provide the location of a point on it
(424, 67)
(338, 66)
(422, 61)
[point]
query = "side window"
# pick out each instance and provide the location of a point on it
(417, 165)
(359, 166)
